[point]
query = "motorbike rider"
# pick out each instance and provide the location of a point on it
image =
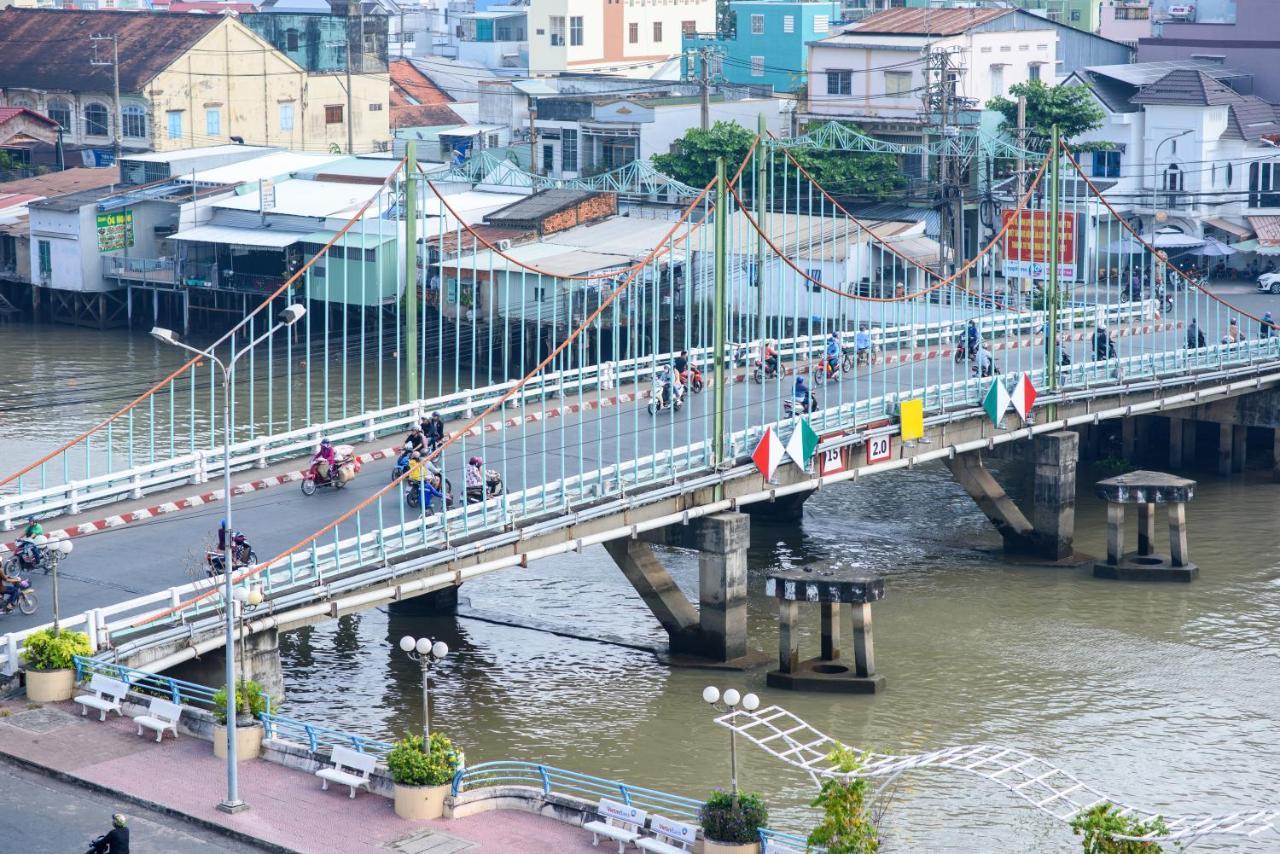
(1267, 329)
(833, 353)
(771, 357)
(415, 440)
(672, 390)
(972, 339)
(28, 548)
(804, 397)
(236, 540)
(322, 462)
(984, 365)
(862, 343)
(434, 427)
(424, 477)
(1103, 346)
(475, 477)
(682, 363)
(11, 589)
(116, 841)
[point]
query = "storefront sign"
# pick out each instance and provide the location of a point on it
(115, 230)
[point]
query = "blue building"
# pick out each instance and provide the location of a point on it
(767, 47)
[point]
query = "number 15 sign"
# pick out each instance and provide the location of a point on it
(879, 449)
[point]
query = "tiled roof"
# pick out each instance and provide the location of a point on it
(1251, 119)
(67, 181)
(416, 101)
(50, 49)
(1186, 87)
(7, 113)
(927, 22)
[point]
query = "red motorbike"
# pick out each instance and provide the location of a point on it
(692, 379)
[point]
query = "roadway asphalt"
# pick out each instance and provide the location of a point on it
(122, 563)
(45, 816)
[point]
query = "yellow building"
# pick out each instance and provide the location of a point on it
(185, 80)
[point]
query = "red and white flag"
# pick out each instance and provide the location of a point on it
(768, 453)
(1024, 396)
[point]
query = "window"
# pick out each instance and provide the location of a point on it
(213, 122)
(757, 66)
(897, 83)
(46, 258)
(689, 28)
(657, 31)
(1173, 177)
(569, 150)
(788, 23)
(757, 25)
(1033, 71)
(1006, 48)
(1215, 58)
(1075, 14)
(633, 33)
(375, 107)
(1264, 185)
(985, 49)
(557, 31)
(290, 39)
(173, 122)
(134, 123)
(997, 81)
(286, 117)
(575, 31)
(333, 114)
(1132, 13)
(839, 82)
(96, 120)
(816, 276)
(1230, 175)
(1106, 164)
(60, 112)
(548, 159)
(821, 23)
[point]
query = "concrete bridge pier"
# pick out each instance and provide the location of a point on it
(261, 664)
(1052, 532)
(437, 603)
(717, 630)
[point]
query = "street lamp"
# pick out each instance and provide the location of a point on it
(728, 701)
(426, 652)
(247, 599)
(1155, 179)
(288, 317)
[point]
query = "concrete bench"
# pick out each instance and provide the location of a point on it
(669, 837)
(105, 696)
(161, 715)
(619, 822)
(350, 768)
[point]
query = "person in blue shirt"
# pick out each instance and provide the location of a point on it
(973, 338)
(862, 344)
(803, 396)
(1268, 327)
(833, 353)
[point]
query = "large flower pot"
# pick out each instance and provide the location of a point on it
(710, 846)
(50, 686)
(248, 741)
(420, 802)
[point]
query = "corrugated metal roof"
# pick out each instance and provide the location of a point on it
(278, 164)
(67, 181)
(1142, 73)
(539, 205)
(927, 22)
(241, 236)
(181, 154)
(306, 198)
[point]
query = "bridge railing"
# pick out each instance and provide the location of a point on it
(72, 495)
(174, 690)
(318, 738)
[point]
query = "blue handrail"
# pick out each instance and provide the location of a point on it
(776, 841)
(174, 690)
(317, 737)
(550, 779)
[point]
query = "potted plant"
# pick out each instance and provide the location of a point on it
(422, 774)
(50, 664)
(731, 823)
(251, 701)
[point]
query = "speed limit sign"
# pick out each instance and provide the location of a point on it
(879, 449)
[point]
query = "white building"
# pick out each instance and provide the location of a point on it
(633, 39)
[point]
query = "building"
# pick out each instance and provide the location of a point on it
(1125, 21)
(1241, 33)
(631, 39)
(496, 37)
(416, 102)
(25, 136)
(768, 43)
(185, 81)
(1080, 14)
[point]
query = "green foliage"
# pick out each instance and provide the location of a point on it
(1071, 108)
(692, 160)
(411, 765)
(249, 698)
(736, 820)
(47, 650)
(846, 826)
(1112, 466)
(1100, 825)
(850, 173)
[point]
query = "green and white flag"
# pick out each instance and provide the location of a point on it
(996, 402)
(802, 444)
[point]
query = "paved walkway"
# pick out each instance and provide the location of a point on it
(287, 807)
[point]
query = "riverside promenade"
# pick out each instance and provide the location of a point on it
(288, 810)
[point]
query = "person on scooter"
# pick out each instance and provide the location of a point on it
(804, 397)
(862, 344)
(972, 339)
(475, 479)
(434, 427)
(28, 546)
(682, 363)
(984, 365)
(116, 841)
(1103, 347)
(322, 462)
(425, 478)
(672, 391)
(11, 589)
(771, 357)
(415, 440)
(833, 354)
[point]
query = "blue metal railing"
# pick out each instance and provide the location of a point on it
(317, 737)
(778, 842)
(174, 690)
(558, 780)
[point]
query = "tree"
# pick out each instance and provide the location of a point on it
(860, 174)
(1071, 108)
(692, 160)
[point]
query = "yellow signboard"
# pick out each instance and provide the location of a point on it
(911, 420)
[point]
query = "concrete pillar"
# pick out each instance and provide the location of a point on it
(1224, 449)
(1054, 513)
(788, 636)
(1142, 438)
(1146, 528)
(1175, 442)
(722, 584)
(1128, 438)
(437, 603)
(830, 630)
(658, 590)
(1018, 534)
(1239, 443)
(1178, 534)
(1115, 532)
(261, 664)
(864, 656)
(1275, 456)
(1190, 438)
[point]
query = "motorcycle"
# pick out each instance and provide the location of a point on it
(492, 488)
(241, 553)
(768, 371)
(662, 398)
(402, 462)
(793, 406)
(824, 371)
(47, 555)
(692, 379)
(345, 467)
(413, 492)
(26, 601)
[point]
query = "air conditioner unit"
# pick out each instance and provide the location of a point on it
(503, 245)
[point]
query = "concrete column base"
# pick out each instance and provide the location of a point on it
(1150, 567)
(261, 664)
(437, 603)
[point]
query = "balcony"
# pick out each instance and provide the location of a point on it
(150, 270)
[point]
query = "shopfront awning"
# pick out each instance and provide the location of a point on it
(260, 237)
(1241, 231)
(1268, 230)
(1255, 246)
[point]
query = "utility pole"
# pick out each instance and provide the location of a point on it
(350, 116)
(762, 215)
(704, 85)
(118, 116)
(410, 348)
(719, 310)
(533, 135)
(1022, 167)
(942, 107)
(1055, 238)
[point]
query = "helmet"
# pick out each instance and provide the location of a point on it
(119, 820)
(435, 415)
(475, 461)
(325, 443)
(224, 524)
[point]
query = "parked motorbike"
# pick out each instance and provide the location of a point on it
(345, 467)
(47, 554)
(492, 488)
(26, 601)
(241, 552)
(664, 397)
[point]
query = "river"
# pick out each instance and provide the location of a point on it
(1161, 695)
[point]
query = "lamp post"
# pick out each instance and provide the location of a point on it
(729, 701)
(426, 652)
(247, 599)
(1155, 178)
(288, 317)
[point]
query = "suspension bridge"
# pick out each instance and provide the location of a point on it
(566, 343)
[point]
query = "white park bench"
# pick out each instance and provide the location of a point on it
(619, 822)
(105, 696)
(161, 715)
(669, 837)
(350, 768)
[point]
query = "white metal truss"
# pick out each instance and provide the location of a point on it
(1046, 787)
(967, 143)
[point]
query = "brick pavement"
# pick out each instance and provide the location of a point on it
(287, 807)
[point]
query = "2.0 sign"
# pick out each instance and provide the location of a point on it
(879, 449)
